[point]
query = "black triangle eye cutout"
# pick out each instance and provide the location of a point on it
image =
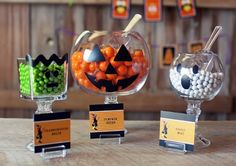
(95, 55)
(110, 70)
(123, 54)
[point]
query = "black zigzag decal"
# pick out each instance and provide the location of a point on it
(42, 59)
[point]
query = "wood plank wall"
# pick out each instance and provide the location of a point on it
(38, 28)
(14, 43)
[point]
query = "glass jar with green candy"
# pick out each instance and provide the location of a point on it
(42, 78)
(43, 81)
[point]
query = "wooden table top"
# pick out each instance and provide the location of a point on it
(140, 146)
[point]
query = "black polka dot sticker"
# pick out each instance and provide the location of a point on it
(185, 82)
(195, 69)
(178, 68)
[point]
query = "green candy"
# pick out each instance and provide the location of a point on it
(50, 79)
(46, 80)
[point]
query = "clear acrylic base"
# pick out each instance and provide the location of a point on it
(30, 146)
(111, 139)
(54, 152)
(174, 147)
(126, 131)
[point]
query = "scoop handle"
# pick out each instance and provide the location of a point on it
(212, 38)
(81, 36)
(132, 23)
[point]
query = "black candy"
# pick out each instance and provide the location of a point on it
(185, 82)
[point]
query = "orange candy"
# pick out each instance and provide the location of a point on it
(100, 75)
(74, 66)
(111, 76)
(128, 63)
(115, 63)
(81, 81)
(138, 53)
(103, 66)
(109, 52)
(102, 50)
(79, 74)
(122, 70)
(137, 59)
(138, 56)
(73, 58)
(92, 66)
(84, 66)
(77, 57)
(131, 72)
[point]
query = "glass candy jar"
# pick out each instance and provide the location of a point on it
(43, 80)
(110, 63)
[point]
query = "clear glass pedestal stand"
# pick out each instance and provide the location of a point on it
(111, 100)
(194, 108)
(43, 107)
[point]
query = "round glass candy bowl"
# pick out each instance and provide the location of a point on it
(43, 80)
(197, 77)
(110, 63)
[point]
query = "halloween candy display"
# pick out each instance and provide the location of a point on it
(110, 63)
(198, 77)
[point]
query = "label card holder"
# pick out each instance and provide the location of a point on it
(177, 131)
(106, 123)
(52, 134)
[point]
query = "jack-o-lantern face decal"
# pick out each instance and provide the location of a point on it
(52, 75)
(123, 55)
(107, 69)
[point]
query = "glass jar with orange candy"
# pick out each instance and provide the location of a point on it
(110, 63)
